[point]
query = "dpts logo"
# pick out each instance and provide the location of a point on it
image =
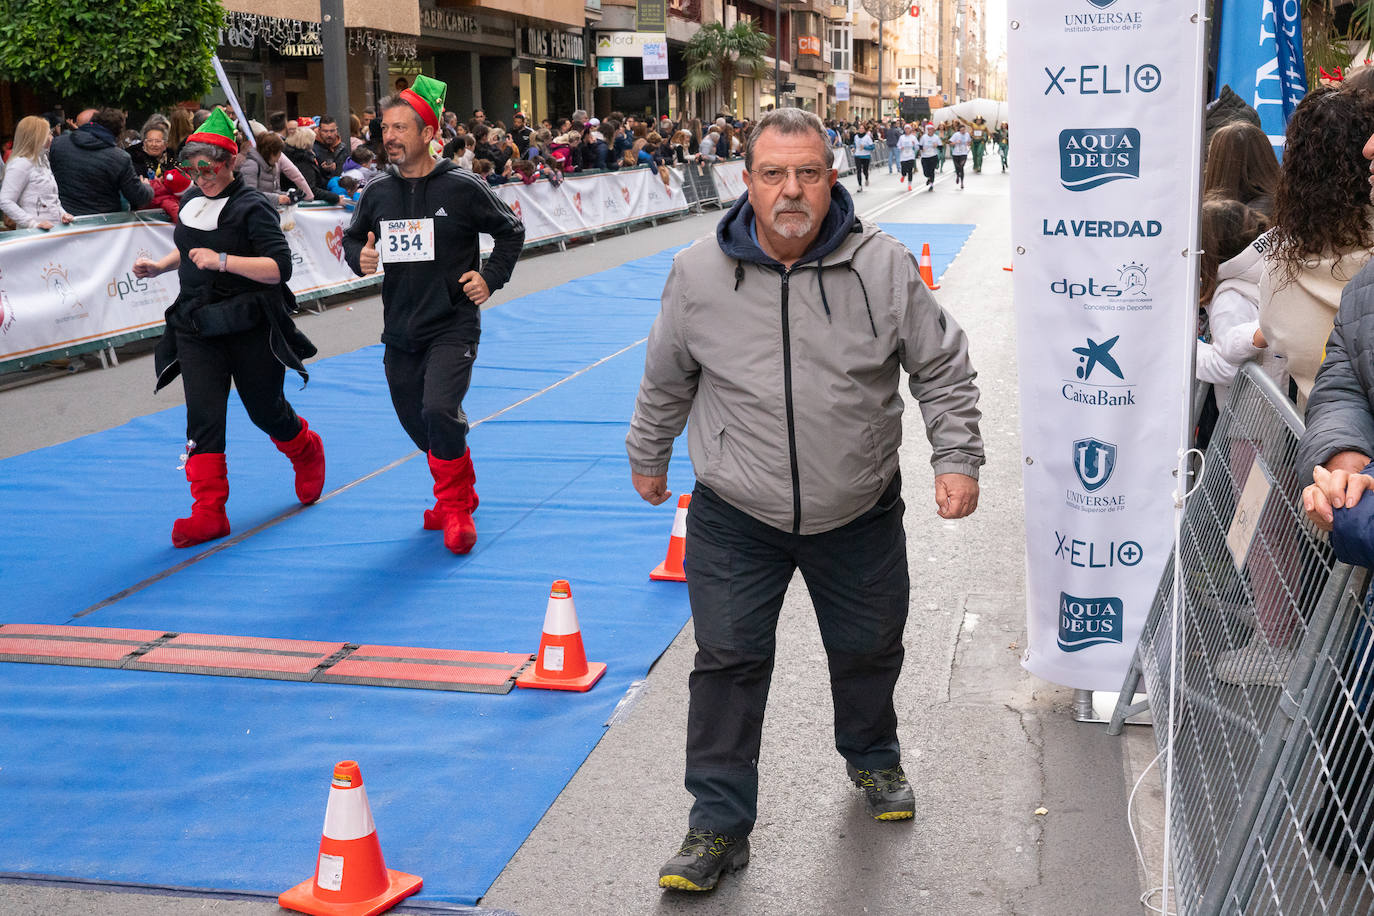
(1089, 157)
(1085, 622)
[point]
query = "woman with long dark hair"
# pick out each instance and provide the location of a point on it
(1323, 233)
(230, 322)
(1241, 165)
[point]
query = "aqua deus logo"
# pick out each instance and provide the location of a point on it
(1085, 622)
(1093, 462)
(1090, 157)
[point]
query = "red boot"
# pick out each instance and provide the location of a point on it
(306, 452)
(209, 481)
(454, 482)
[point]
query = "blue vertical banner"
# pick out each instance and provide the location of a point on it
(1260, 58)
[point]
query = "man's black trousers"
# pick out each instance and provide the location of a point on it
(928, 164)
(737, 572)
(427, 390)
(208, 364)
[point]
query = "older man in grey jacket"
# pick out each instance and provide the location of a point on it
(784, 339)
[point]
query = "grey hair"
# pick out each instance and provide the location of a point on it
(396, 101)
(210, 151)
(790, 122)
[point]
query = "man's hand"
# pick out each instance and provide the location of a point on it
(1336, 485)
(653, 490)
(367, 258)
(956, 495)
(145, 268)
(44, 225)
(204, 258)
(474, 287)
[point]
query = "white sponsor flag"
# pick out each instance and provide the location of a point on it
(1107, 99)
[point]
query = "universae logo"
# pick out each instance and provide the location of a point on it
(1093, 462)
(1085, 622)
(1093, 156)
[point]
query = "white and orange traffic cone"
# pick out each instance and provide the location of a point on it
(926, 274)
(351, 879)
(562, 662)
(670, 570)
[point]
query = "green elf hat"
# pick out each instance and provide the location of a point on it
(426, 96)
(217, 130)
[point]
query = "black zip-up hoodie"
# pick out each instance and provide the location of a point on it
(423, 301)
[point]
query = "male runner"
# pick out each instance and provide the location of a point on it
(420, 219)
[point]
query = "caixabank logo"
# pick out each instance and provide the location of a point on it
(1085, 622)
(1090, 157)
(1099, 382)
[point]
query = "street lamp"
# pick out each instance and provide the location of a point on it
(884, 10)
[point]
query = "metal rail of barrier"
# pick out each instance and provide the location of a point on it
(1273, 754)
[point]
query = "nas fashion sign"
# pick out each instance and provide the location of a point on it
(1103, 208)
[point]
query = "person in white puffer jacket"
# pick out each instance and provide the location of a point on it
(1231, 297)
(28, 194)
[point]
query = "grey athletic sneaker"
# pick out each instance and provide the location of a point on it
(887, 792)
(704, 856)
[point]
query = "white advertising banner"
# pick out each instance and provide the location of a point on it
(729, 178)
(75, 284)
(1106, 96)
(655, 60)
(590, 203)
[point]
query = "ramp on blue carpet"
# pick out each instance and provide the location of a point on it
(171, 780)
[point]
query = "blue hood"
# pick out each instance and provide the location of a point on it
(735, 231)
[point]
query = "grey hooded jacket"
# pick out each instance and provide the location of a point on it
(1340, 410)
(791, 376)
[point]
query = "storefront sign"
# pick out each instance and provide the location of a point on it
(809, 44)
(626, 44)
(610, 72)
(447, 20)
(655, 60)
(651, 15)
(543, 44)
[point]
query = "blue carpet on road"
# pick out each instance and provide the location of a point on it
(220, 783)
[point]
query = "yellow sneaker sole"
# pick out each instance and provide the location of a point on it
(677, 882)
(895, 816)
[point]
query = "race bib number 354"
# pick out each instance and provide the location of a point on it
(406, 240)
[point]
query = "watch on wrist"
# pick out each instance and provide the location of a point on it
(223, 261)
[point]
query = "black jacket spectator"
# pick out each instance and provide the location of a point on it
(338, 155)
(92, 172)
(595, 153)
(521, 136)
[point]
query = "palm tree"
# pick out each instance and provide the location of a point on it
(716, 53)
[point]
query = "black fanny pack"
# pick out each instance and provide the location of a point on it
(231, 315)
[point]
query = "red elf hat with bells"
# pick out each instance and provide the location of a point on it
(426, 96)
(217, 130)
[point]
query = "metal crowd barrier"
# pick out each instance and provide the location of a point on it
(1272, 807)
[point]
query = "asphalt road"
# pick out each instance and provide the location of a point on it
(985, 744)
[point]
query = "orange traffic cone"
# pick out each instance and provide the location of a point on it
(670, 570)
(926, 273)
(350, 877)
(562, 662)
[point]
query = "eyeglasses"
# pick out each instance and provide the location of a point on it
(806, 174)
(201, 169)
